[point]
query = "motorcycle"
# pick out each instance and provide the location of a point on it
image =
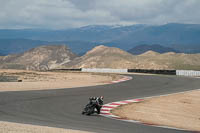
(89, 109)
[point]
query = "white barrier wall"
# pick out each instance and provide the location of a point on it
(108, 70)
(104, 70)
(187, 73)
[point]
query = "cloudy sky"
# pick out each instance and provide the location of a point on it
(62, 14)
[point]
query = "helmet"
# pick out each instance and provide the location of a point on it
(101, 97)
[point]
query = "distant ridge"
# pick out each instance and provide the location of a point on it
(1, 54)
(140, 49)
(182, 37)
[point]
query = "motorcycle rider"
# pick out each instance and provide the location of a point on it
(98, 101)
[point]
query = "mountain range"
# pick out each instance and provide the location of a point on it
(184, 38)
(14, 46)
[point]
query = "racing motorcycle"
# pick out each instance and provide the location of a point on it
(89, 109)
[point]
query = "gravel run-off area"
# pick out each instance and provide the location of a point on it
(180, 110)
(34, 80)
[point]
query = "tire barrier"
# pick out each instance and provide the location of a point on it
(78, 70)
(151, 71)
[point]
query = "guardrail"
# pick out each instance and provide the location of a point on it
(188, 73)
(150, 71)
(104, 70)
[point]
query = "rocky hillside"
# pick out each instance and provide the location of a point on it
(103, 57)
(109, 57)
(40, 58)
(59, 56)
(172, 60)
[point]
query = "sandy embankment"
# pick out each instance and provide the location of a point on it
(47, 80)
(32, 80)
(178, 110)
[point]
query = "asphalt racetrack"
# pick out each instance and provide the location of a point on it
(62, 108)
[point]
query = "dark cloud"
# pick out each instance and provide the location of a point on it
(74, 13)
